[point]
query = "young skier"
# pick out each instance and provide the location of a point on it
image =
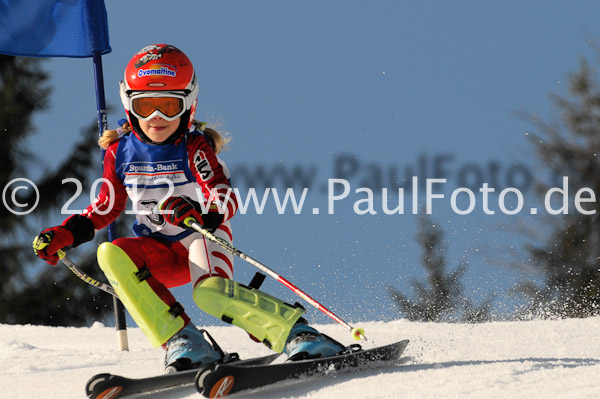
(167, 165)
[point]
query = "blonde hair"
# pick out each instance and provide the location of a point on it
(108, 136)
(218, 140)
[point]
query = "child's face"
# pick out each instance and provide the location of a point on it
(158, 129)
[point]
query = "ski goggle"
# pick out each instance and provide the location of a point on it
(146, 106)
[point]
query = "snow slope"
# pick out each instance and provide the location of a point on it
(533, 359)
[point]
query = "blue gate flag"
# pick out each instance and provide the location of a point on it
(53, 28)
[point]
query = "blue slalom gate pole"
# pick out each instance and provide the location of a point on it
(119, 309)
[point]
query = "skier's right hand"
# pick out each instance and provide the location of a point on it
(47, 244)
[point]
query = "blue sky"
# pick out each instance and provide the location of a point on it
(389, 84)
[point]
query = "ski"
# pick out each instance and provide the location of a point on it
(230, 378)
(110, 386)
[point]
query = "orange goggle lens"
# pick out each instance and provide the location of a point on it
(169, 106)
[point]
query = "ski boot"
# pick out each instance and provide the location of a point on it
(189, 349)
(304, 342)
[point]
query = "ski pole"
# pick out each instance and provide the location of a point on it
(85, 277)
(357, 333)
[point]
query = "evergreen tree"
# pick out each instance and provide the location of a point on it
(32, 291)
(570, 258)
(441, 297)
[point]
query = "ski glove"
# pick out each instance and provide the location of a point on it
(76, 230)
(50, 241)
(176, 209)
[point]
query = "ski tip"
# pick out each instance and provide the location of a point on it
(210, 387)
(102, 386)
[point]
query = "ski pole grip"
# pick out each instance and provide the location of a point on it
(190, 221)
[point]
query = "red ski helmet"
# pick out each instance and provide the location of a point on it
(154, 72)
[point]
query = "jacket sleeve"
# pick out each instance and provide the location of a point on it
(212, 175)
(112, 199)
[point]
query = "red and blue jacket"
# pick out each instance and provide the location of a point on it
(148, 174)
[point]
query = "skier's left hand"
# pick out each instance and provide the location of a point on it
(177, 209)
